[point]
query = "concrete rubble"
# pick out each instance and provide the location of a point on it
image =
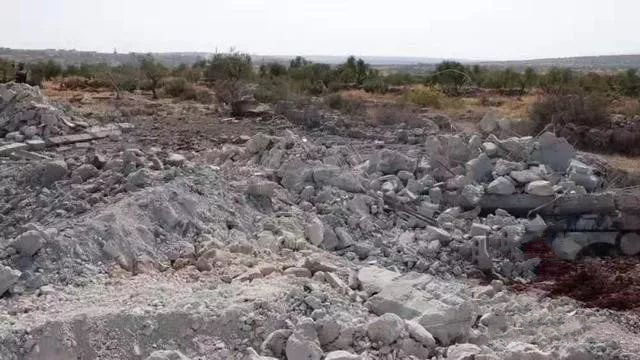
(299, 245)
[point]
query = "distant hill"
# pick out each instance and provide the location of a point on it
(393, 63)
(605, 62)
(73, 57)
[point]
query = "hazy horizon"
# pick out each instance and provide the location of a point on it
(492, 30)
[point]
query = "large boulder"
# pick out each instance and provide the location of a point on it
(334, 176)
(295, 175)
(440, 307)
(8, 277)
(304, 342)
(553, 151)
(479, 169)
(540, 188)
(49, 172)
(390, 162)
(385, 329)
(29, 242)
(630, 244)
(501, 186)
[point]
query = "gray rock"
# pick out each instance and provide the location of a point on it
(416, 296)
(36, 144)
(276, 342)
(471, 195)
(420, 334)
(258, 143)
(29, 242)
(167, 355)
(335, 176)
(463, 352)
(29, 131)
(479, 169)
(8, 277)
(504, 167)
(303, 343)
(314, 230)
(489, 122)
(630, 244)
(390, 162)
(341, 355)
(525, 176)
(479, 229)
(567, 246)
(264, 188)
(295, 175)
(540, 188)
(50, 172)
(85, 172)
(490, 149)
(138, 179)
(553, 151)
(176, 160)
(385, 328)
(344, 238)
(501, 186)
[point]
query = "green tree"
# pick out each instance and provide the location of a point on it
(530, 78)
(451, 75)
(154, 71)
(299, 62)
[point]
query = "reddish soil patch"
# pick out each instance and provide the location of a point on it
(611, 283)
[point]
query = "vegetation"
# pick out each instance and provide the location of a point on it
(579, 109)
(153, 71)
(425, 96)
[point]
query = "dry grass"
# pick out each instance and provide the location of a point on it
(624, 163)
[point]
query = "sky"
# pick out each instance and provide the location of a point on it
(455, 29)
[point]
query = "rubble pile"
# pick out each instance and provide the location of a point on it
(26, 114)
(303, 246)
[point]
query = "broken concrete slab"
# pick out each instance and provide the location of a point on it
(10, 148)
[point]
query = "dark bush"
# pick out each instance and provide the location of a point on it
(375, 85)
(272, 90)
(579, 109)
(179, 88)
(345, 105)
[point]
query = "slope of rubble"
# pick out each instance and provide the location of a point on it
(300, 244)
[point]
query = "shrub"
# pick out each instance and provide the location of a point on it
(426, 96)
(589, 110)
(178, 87)
(375, 85)
(204, 96)
(272, 90)
(345, 105)
(128, 84)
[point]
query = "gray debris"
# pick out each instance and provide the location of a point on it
(385, 329)
(501, 186)
(8, 277)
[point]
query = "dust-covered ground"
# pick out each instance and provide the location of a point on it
(179, 232)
